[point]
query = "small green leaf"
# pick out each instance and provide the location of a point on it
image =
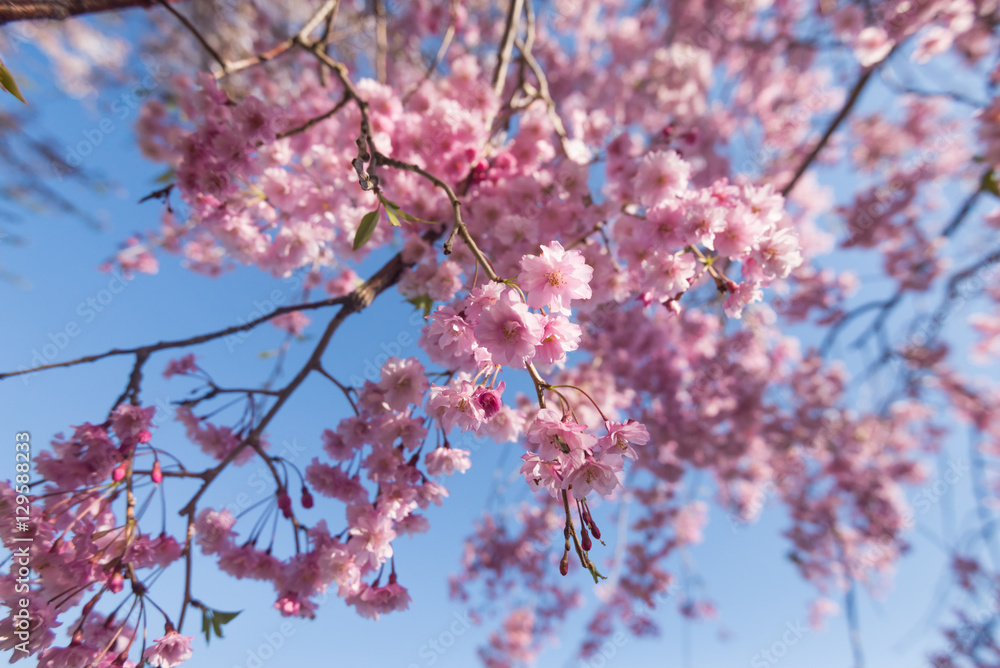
(266, 354)
(366, 229)
(226, 617)
(414, 219)
(423, 302)
(8, 84)
(393, 218)
(165, 177)
(989, 183)
(206, 625)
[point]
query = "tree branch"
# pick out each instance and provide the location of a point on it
(181, 343)
(844, 112)
(33, 10)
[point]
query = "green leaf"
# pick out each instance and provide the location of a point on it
(212, 621)
(165, 177)
(414, 219)
(226, 617)
(366, 229)
(8, 84)
(989, 183)
(393, 218)
(423, 302)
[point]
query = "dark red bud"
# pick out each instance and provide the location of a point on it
(585, 540)
(307, 498)
(564, 564)
(285, 503)
(595, 530)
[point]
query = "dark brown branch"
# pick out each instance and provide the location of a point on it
(844, 112)
(31, 10)
(313, 121)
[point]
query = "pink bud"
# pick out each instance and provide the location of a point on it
(145, 436)
(564, 564)
(157, 472)
(116, 582)
(307, 498)
(119, 473)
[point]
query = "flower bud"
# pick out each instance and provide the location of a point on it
(564, 564)
(157, 474)
(119, 473)
(285, 503)
(116, 582)
(585, 539)
(307, 498)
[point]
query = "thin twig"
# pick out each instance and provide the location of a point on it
(194, 31)
(181, 343)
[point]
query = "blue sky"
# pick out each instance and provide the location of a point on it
(761, 600)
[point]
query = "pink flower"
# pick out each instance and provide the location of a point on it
(180, 366)
(559, 337)
(214, 530)
(744, 293)
(335, 446)
(404, 383)
(448, 337)
(129, 421)
(456, 407)
(489, 399)
(689, 522)
(555, 277)
(373, 535)
(541, 474)
(384, 463)
(483, 297)
(505, 426)
(291, 604)
(171, 650)
(343, 284)
(445, 461)
(334, 482)
(593, 475)
(620, 437)
(560, 440)
(662, 174)
(509, 332)
(294, 323)
(382, 600)
(872, 46)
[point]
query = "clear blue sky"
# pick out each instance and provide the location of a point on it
(757, 591)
